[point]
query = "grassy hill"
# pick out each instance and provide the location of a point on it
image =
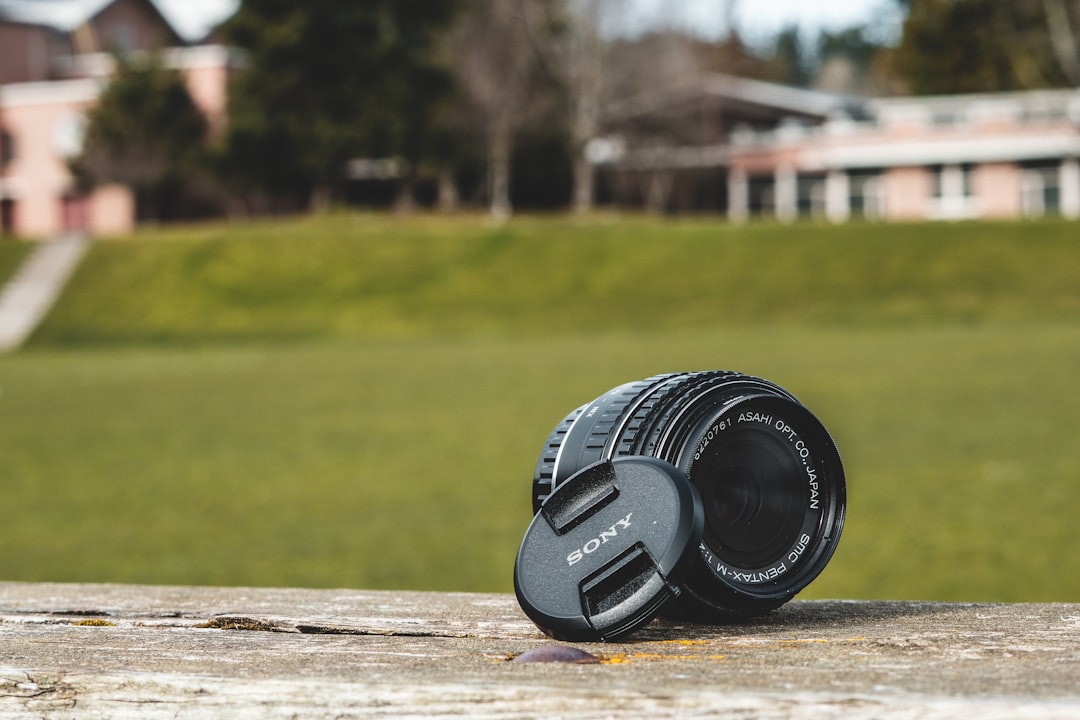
(11, 255)
(363, 277)
(359, 400)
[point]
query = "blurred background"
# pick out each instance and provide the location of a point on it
(294, 293)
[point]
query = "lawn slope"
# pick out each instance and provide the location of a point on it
(361, 277)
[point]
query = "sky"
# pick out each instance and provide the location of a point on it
(756, 19)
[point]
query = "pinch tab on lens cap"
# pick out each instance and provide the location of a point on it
(591, 491)
(608, 548)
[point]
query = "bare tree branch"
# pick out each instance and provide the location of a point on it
(1063, 38)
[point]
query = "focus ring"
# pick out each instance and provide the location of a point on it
(676, 397)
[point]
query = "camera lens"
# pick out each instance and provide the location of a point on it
(768, 473)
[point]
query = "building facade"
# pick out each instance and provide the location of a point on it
(55, 59)
(771, 151)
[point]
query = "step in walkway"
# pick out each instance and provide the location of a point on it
(27, 297)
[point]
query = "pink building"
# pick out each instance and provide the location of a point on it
(55, 58)
(754, 149)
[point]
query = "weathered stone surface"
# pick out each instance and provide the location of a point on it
(148, 652)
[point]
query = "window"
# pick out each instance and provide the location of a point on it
(761, 196)
(952, 181)
(952, 197)
(811, 195)
(7, 148)
(121, 38)
(1040, 189)
(69, 131)
(866, 194)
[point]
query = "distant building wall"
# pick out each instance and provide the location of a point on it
(112, 210)
(44, 122)
(907, 190)
(43, 125)
(27, 52)
(998, 187)
(126, 26)
(787, 155)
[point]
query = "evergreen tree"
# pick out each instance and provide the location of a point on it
(958, 46)
(329, 81)
(145, 132)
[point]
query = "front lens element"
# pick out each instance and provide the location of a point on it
(754, 496)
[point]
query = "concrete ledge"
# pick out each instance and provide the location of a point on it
(119, 651)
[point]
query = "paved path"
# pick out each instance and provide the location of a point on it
(27, 297)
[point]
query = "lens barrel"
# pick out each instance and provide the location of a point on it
(768, 473)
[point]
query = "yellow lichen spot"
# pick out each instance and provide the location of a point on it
(624, 658)
(613, 659)
(95, 622)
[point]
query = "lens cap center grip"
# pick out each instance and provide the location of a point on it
(608, 548)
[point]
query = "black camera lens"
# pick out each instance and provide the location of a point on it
(768, 474)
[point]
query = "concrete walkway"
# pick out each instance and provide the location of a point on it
(27, 297)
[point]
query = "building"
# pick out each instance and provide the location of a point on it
(55, 57)
(754, 149)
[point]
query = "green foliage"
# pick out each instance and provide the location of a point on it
(791, 62)
(145, 132)
(958, 46)
(328, 81)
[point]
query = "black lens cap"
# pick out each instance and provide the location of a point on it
(608, 548)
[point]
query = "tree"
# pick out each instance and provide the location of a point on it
(499, 73)
(328, 82)
(956, 46)
(145, 132)
(572, 47)
(1063, 25)
(790, 63)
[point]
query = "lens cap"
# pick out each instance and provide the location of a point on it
(608, 548)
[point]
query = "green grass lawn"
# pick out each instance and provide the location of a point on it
(359, 401)
(11, 256)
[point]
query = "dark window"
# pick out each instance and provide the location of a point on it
(811, 195)
(1041, 187)
(7, 148)
(761, 193)
(865, 193)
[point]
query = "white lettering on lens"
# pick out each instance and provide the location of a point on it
(786, 429)
(594, 544)
(710, 435)
(761, 576)
(800, 548)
